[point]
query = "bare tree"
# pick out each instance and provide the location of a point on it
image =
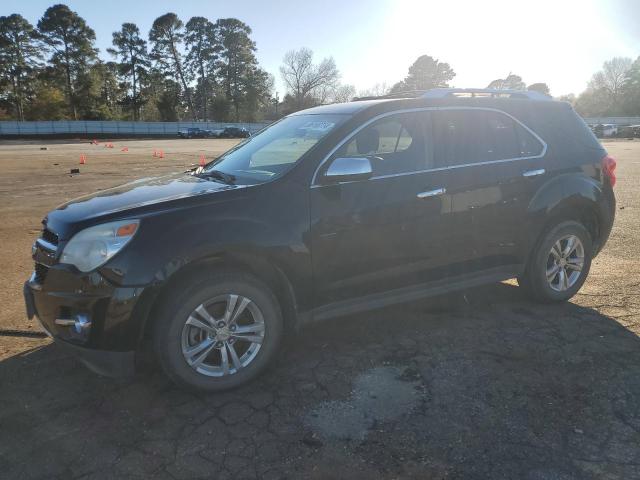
(612, 76)
(343, 93)
(306, 80)
(605, 94)
(378, 90)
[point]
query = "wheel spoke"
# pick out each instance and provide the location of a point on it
(575, 264)
(234, 356)
(556, 249)
(198, 361)
(249, 338)
(569, 247)
(196, 349)
(552, 272)
(253, 328)
(201, 325)
(206, 315)
(232, 312)
(562, 279)
(225, 360)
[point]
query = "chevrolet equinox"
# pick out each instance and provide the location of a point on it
(329, 211)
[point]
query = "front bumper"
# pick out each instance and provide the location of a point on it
(107, 341)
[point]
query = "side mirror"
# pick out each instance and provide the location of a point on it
(348, 169)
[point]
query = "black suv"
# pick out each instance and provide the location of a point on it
(329, 211)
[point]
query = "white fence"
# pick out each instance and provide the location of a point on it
(613, 121)
(87, 128)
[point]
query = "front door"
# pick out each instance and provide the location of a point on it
(389, 231)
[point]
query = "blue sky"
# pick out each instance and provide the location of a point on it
(559, 42)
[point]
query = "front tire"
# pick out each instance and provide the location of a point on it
(219, 332)
(559, 263)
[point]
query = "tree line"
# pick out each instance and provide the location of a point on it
(200, 70)
(207, 70)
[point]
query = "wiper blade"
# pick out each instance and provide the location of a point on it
(218, 175)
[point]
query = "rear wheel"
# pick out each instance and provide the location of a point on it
(559, 264)
(219, 332)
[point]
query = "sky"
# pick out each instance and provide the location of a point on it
(559, 42)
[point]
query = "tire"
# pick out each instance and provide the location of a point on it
(559, 287)
(175, 341)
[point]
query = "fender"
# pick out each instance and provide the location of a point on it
(169, 243)
(569, 195)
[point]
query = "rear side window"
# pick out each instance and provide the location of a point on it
(463, 137)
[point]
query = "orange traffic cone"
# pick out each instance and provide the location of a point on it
(83, 159)
(161, 154)
(202, 161)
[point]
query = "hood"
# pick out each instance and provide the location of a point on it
(140, 193)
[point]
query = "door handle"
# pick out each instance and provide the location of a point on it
(432, 193)
(534, 173)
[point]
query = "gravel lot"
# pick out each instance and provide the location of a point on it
(482, 384)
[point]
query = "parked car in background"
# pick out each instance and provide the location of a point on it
(194, 133)
(605, 130)
(234, 132)
(327, 212)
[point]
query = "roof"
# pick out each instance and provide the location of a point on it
(436, 97)
(348, 108)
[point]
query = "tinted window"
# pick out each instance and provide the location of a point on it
(460, 137)
(395, 144)
(471, 136)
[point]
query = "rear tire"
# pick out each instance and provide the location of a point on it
(559, 264)
(218, 332)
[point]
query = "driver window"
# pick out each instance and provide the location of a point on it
(394, 144)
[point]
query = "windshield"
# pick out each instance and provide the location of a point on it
(276, 149)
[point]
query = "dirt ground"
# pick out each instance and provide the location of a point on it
(481, 384)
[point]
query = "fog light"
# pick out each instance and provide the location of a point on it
(80, 324)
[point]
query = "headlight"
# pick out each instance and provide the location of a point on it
(93, 246)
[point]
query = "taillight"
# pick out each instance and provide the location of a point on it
(609, 169)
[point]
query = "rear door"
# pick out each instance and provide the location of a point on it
(495, 166)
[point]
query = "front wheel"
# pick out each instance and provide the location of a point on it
(219, 332)
(559, 264)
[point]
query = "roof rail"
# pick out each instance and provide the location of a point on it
(403, 94)
(485, 92)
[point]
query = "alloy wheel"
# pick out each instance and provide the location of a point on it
(223, 335)
(565, 263)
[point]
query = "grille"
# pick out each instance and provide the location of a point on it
(40, 272)
(49, 236)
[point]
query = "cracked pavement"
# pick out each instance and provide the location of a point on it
(480, 384)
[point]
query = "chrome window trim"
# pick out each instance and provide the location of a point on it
(452, 167)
